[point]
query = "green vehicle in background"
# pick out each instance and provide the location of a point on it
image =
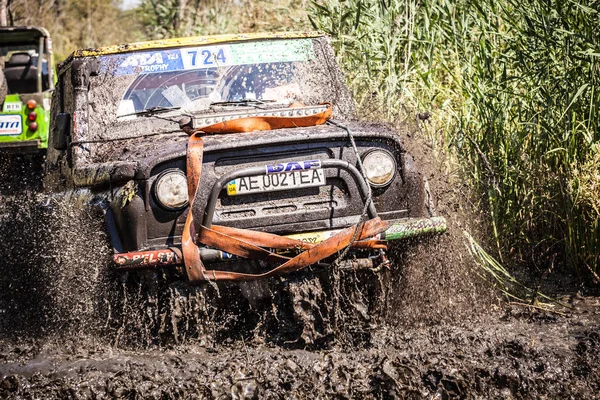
(26, 85)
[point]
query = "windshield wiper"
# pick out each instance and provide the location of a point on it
(152, 111)
(245, 102)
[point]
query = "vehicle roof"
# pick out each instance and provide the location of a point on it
(21, 34)
(189, 41)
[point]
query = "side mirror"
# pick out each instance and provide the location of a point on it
(61, 131)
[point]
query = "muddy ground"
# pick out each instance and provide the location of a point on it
(512, 354)
(429, 327)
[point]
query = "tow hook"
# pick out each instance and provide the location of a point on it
(384, 262)
(375, 263)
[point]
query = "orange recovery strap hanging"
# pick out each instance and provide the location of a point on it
(258, 245)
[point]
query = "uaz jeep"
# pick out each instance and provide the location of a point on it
(232, 157)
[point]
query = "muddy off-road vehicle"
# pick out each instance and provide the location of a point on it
(26, 84)
(231, 158)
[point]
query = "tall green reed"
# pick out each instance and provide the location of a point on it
(514, 89)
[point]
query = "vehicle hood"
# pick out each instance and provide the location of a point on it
(122, 160)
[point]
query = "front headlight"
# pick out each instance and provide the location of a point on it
(380, 167)
(171, 189)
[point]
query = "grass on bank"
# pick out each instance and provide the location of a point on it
(514, 92)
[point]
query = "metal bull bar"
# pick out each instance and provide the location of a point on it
(255, 171)
(227, 243)
(400, 229)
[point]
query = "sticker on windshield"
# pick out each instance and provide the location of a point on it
(273, 51)
(206, 57)
(192, 58)
(10, 125)
(146, 62)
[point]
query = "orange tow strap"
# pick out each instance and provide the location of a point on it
(269, 122)
(252, 244)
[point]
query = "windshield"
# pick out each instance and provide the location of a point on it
(280, 71)
(147, 87)
(193, 78)
(196, 90)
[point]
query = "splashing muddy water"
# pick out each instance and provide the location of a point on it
(71, 327)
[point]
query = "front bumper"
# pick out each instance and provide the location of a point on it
(172, 256)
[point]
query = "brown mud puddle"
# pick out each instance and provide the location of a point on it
(513, 353)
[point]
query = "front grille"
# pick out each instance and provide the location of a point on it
(325, 207)
(324, 198)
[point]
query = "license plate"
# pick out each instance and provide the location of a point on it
(276, 182)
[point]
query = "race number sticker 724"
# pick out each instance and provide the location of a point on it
(206, 57)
